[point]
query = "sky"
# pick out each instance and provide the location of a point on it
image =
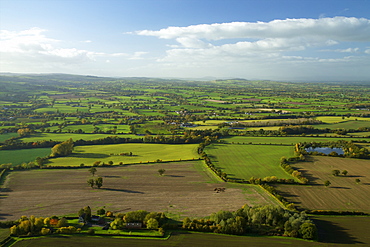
(285, 40)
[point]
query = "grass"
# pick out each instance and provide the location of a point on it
(4, 233)
(330, 119)
(291, 140)
(184, 191)
(246, 161)
(334, 231)
(344, 194)
(141, 153)
(20, 156)
(66, 136)
(4, 137)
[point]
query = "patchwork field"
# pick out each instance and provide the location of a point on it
(246, 161)
(343, 193)
(141, 153)
(186, 189)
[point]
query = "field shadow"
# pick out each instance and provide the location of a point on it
(174, 176)
(330, 232)
(339, 187)
(122, 190)
(90, 155)
(3, 216)
(307, 175)
(111, 176)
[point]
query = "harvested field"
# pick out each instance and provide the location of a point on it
(343, 193)
(186, 189)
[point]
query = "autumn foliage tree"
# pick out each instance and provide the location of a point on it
(62, 149)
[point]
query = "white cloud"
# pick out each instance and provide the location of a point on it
(348, 50)
(31, 50)
(263, 47)
(337, 28)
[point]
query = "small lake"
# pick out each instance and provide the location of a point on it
(325, 150)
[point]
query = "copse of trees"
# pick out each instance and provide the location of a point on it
(63, 149)
(268, 219)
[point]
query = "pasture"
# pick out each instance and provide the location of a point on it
(66, 136)
(141, 153)
(19, 156)
(246, 161)
(291, 140)
(7, 136)
(344, 194)
(185, 190)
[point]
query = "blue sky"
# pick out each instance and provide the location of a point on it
(254, 39)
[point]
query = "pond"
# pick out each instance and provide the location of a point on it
(325, 150)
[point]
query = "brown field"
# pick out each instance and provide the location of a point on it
(343, 193)
(186, 189)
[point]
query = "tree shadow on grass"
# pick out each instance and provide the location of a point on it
(122, 190)
(89, 155)
(174, 176)
(330, 232)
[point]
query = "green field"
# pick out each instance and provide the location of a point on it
(330, 119)
(291, 140)
(142, 153)
(246, 161)
(4, 137)
(66, 136)
(20, 156)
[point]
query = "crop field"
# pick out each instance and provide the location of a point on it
(141, 152)
(246, 161)
(180, 239)
(344, 194)
(343, 230)
(20, 156)
(186, 189)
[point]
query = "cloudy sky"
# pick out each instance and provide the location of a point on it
(309, 40)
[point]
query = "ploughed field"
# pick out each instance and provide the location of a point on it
(344, 194)
(185, 189)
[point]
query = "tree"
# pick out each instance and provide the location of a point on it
(152, 224)
(99, 182)
(344, 172)
(62, 222)
(93, 170)
(100, 211)
(161, 171)
(335, 173)
(327, 183)
(62, 149)
(357, 180)
(91, 182)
